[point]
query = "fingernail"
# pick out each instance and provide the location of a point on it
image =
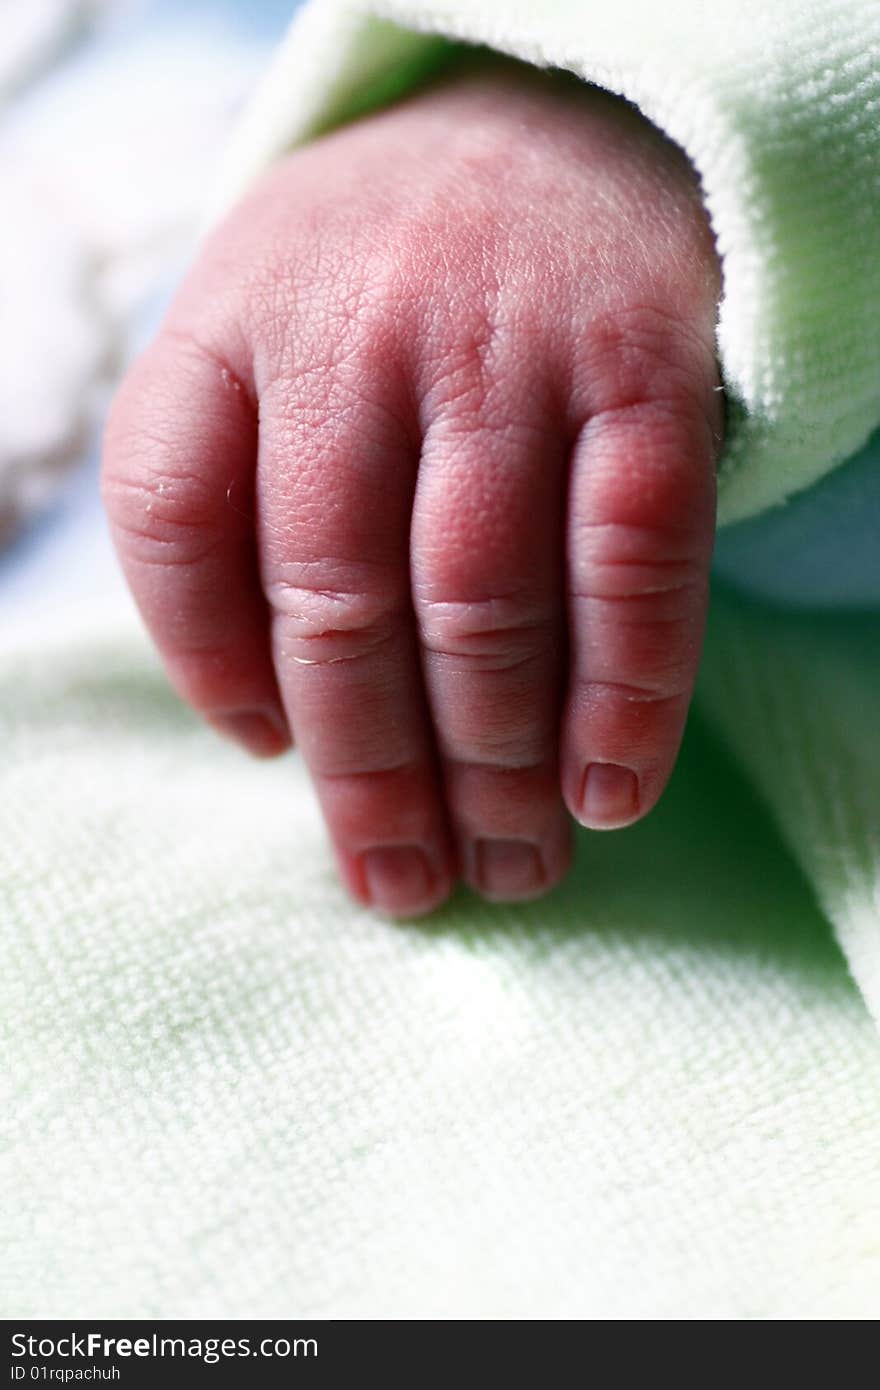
(259, 733)
(609, 796)
(507, 869)
(398, 879)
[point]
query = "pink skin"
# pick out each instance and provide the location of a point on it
(421, 469)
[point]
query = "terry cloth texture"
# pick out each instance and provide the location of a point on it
(777, 106)
(226, 1091)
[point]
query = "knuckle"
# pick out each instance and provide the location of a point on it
(323, 292)
(461, 380)
(648, 660)
(322, 625)
(621, 561)
(659, 692)
(449, 276)
(499, 738)
(485, 633)
(332, 321)
(637, 601)
(160, 516)
(645, 353)
(463, 365)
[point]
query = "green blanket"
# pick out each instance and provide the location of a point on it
(229, 1092)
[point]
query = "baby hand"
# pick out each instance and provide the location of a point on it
(421, 467)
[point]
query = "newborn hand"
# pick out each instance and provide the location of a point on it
(421, 467)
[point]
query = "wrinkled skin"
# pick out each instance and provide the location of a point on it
(420, 470)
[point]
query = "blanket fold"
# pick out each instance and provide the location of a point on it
(794, 696)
